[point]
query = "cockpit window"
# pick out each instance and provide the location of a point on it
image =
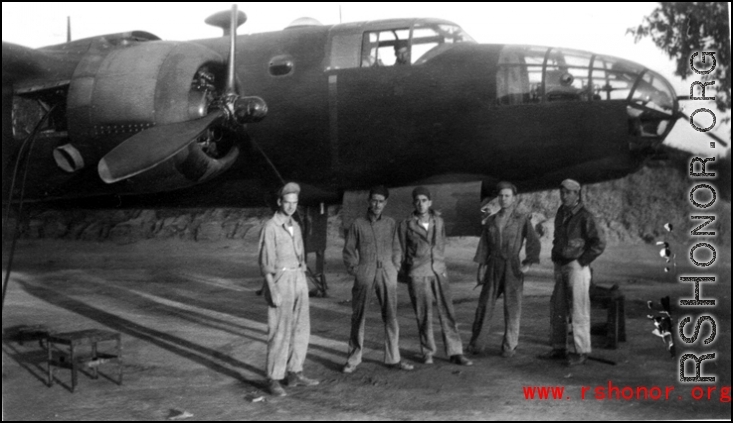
(399, 46)
(407, 44)
(386, 48)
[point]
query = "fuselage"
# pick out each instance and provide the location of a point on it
(345, 113)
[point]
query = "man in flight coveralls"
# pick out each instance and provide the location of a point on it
(282, 262)
(422, 240)
(372, 255)
(501, 271)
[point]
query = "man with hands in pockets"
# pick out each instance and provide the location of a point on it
(372, 256)
(282, 262)
(578, 241)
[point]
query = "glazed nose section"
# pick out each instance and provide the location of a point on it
(652, 106)
(533, 74)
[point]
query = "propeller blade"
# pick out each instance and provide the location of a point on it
(710, 134)
(151, 147)
(223, 20)
(232, 51)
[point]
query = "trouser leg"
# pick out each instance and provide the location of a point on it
(279, 328)
(444, 300)
(558, 311)
(422, 302)
(387, 296)
(513, 289)
(301, 324)
(485, 309)
(579, 283)
(360, 296)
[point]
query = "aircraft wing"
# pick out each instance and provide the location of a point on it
(24, 67)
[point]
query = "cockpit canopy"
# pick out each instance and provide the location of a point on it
(414, 45)
(391, 43)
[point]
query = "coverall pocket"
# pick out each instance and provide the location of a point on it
(517, 269)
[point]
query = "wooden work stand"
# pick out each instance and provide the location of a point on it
(77, 355)
(612, 299)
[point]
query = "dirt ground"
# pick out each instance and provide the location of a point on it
(194, 332)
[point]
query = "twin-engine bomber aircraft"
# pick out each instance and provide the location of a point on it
(336, 108)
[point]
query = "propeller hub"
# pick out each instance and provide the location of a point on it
(249, 109)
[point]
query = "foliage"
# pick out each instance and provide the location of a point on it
(724, 176)
(681, 29)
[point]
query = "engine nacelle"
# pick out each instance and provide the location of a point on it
(132, 88)
(116, 94)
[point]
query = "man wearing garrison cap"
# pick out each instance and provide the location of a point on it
(282, 262)
(500, 270)
(578, 241)
(372, 255)
(422, 242)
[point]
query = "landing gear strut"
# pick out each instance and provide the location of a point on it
(315, 233)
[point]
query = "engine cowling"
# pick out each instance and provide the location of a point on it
(116, 94)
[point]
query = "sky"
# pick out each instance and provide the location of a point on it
(599, 28)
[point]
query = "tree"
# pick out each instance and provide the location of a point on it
(681, 29)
